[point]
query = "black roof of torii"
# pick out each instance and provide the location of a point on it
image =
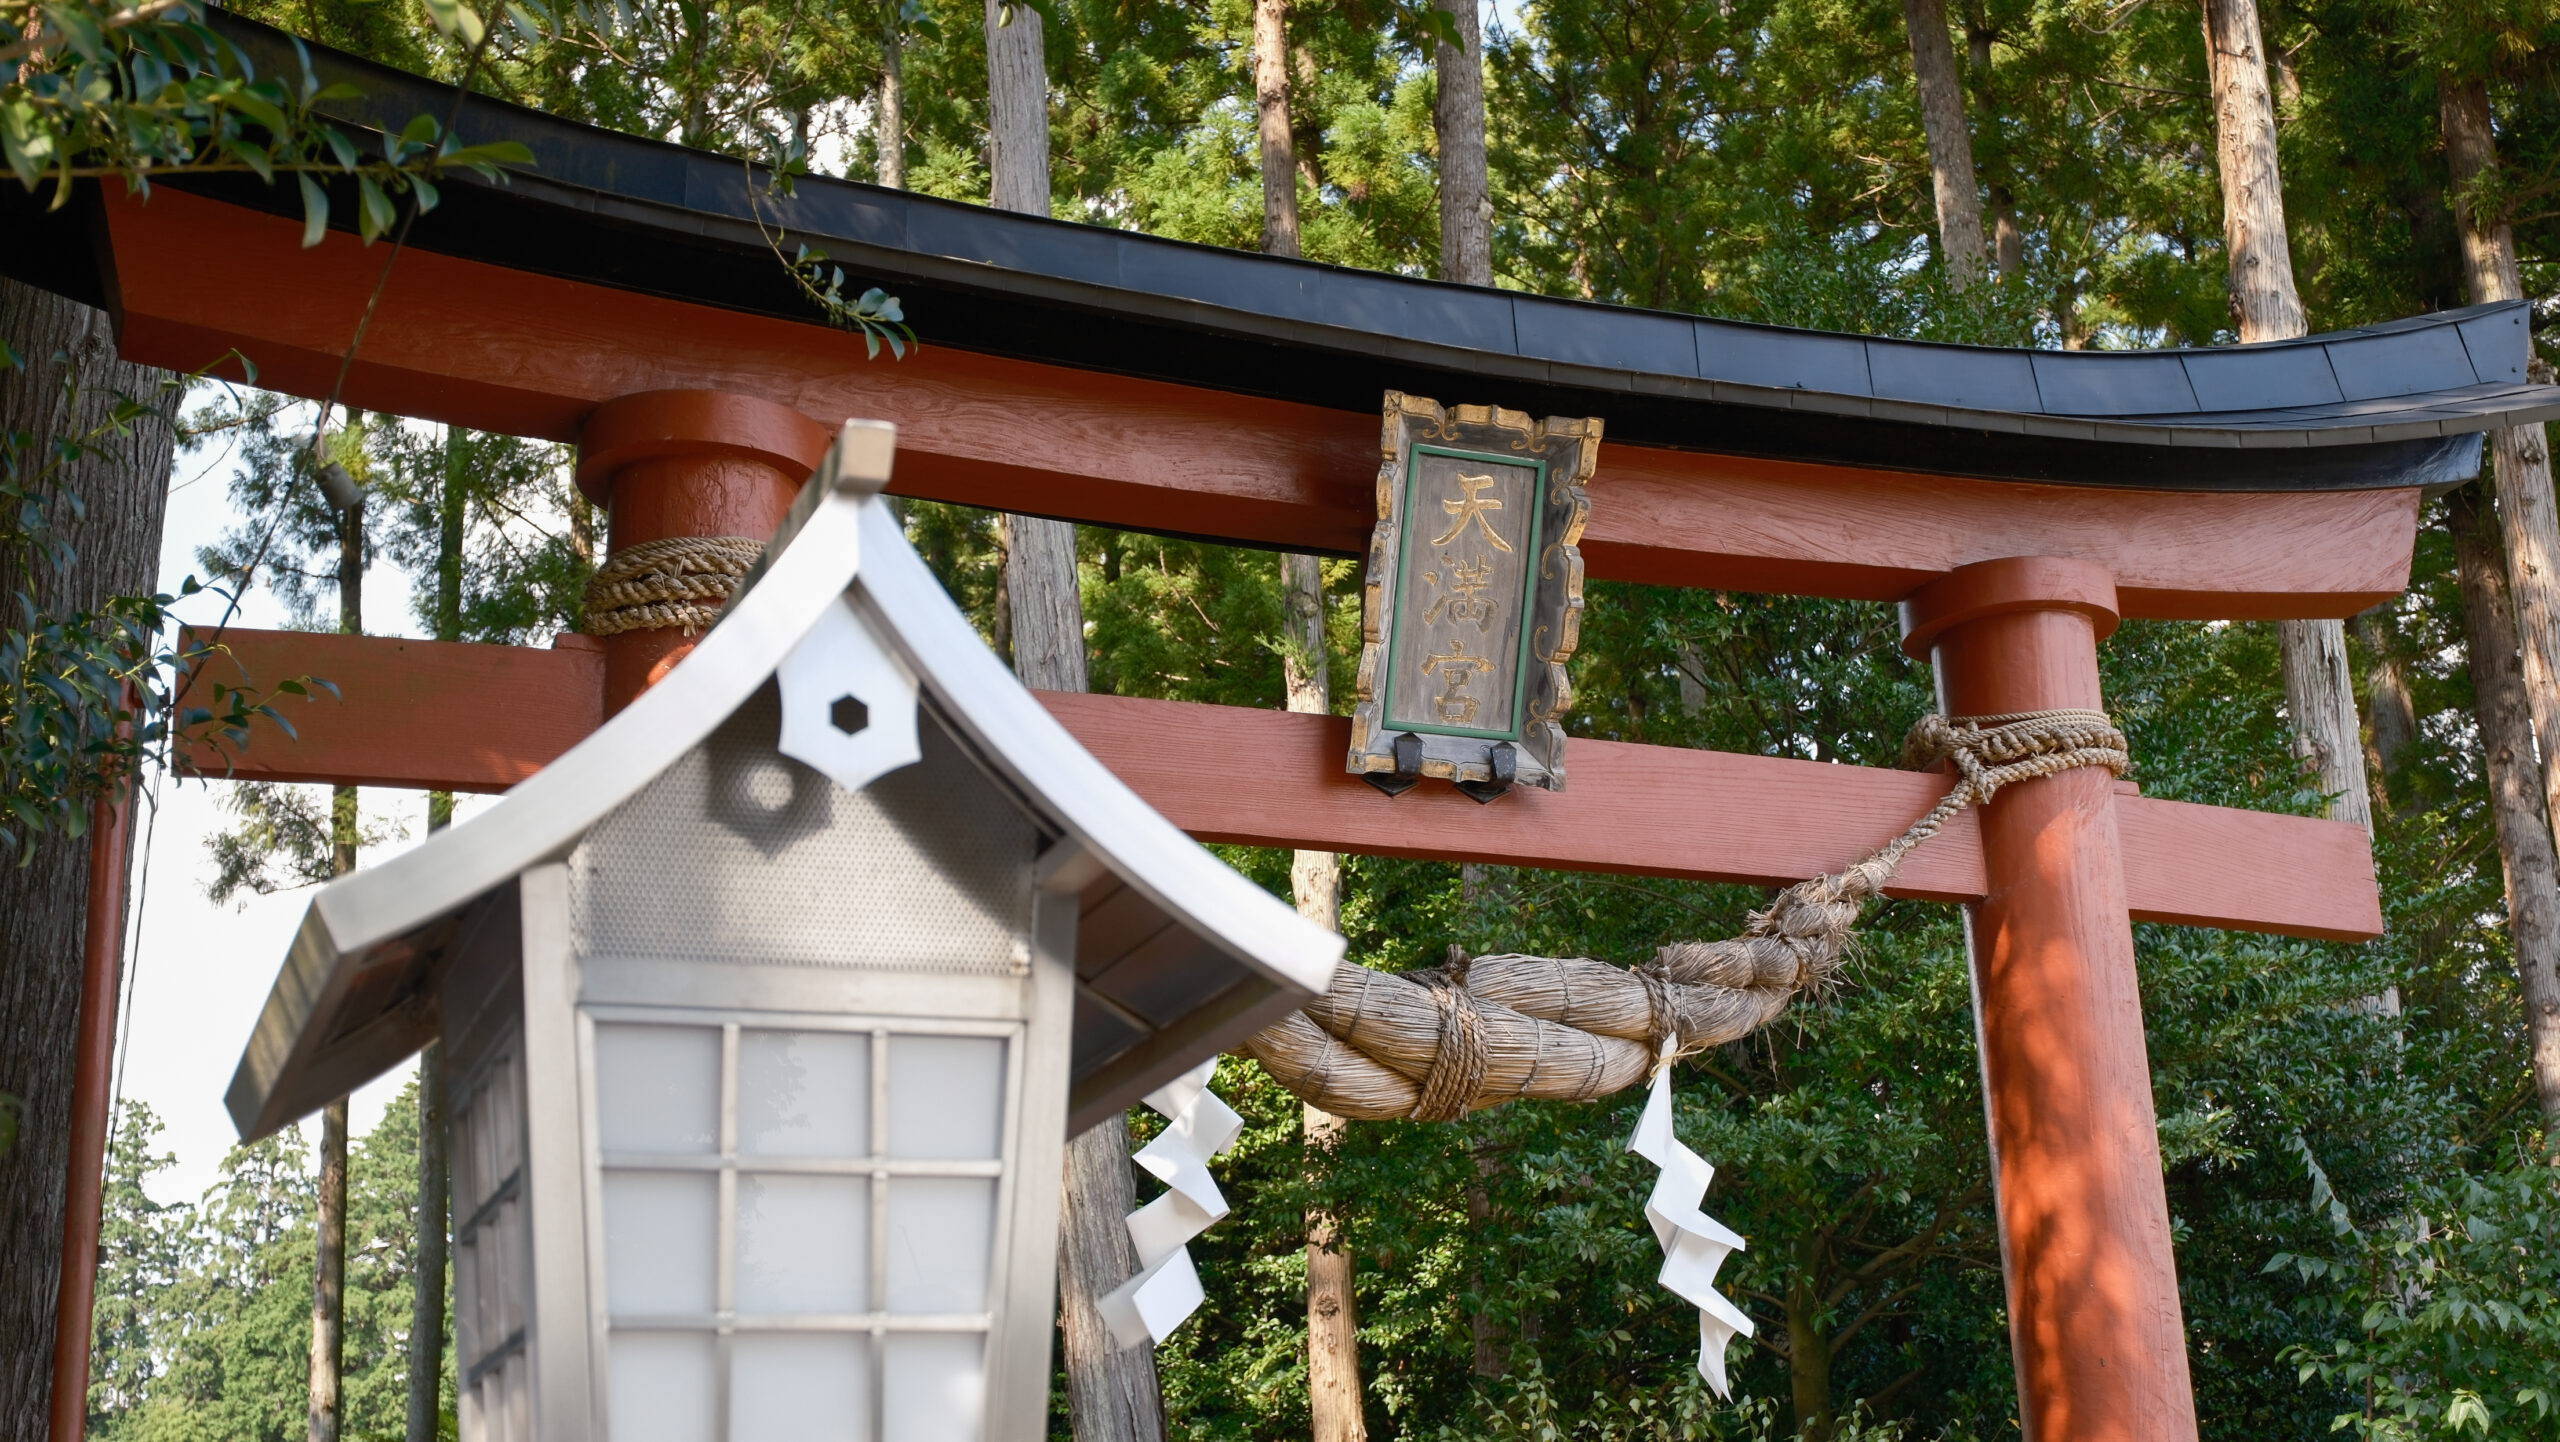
(2398, 404)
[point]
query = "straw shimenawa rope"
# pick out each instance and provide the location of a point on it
(1435, 1044)
(678, 581)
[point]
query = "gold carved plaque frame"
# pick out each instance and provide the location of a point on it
(1472, 602)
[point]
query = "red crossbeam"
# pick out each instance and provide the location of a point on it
(481, 718)
(528, 354)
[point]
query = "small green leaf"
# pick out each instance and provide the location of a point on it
(377, 214)
(313, 218)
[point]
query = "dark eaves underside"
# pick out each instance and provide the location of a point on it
(2402, 404)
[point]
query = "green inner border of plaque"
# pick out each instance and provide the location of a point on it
(1528, 590)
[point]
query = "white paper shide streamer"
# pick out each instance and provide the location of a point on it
(1693, 1243)
(1146, 1308)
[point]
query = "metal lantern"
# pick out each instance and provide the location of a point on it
(767, 1009)
(1473, 599)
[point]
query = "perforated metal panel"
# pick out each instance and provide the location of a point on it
(739, 854)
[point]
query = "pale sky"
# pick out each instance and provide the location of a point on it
(200, 972)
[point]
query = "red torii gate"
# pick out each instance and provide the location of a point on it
(619, 297)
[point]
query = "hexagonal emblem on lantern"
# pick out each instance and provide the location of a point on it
(766, 1011)
(1473, 599)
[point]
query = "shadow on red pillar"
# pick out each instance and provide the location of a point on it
(687, 463)
(2094, 1319)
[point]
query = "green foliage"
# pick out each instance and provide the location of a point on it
(86, 695)
(152, 91)
(2447, 1316)
(204, 1314)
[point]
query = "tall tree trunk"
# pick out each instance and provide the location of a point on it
(1113, 1394)
(2390, 708)
(2515, 791)
(329, 1276)
(1271, 113)
(1017, 110)
(2521, 457)
(2319, 690)
(1933, 64)
(1334, 1411)
(889, 132)
(2263, 298)
(1466, 194)
(2008, 241)
(2320, 694)
(1808, 1353)
(435, 1162)
(44, 900)
(1478, 887)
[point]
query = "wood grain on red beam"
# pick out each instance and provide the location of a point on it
(505, 350)
(436, 715)
(433, 715)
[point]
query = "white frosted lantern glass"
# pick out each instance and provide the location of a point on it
(804, 1094)
(662, 1388)
(946, 1097)
(658, 1088)
(804, 1388)
(942, 1241)
(661, 1242)
(933, 1386)
(804, 1244)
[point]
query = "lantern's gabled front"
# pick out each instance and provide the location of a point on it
(766, 1012)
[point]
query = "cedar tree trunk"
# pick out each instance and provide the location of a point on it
(1279, 145)
(2319, 691)
(329, 1276)
(1466, 195)
(43, 903)
(1113, 1394)
(2515, 791)
(2521, 456)
(889, 133)
(435, 1162)
(1933, 64)
(1315, 877)
(2390, 707)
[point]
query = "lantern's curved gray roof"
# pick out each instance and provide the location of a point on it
(2397, 404)
(1191, 956)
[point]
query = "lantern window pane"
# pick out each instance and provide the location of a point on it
(661, 1242)
(804, 1094)
(942, 1234)
(658, 1088)
(933, 1385)
(663, 1388)
(946, 1097)
(806, 1387)
(804, 1244)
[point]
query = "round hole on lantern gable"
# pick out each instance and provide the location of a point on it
(766, 786)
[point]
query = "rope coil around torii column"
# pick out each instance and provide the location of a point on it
(1435, 1044)
(676, 581)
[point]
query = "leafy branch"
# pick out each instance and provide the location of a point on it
(154, 91)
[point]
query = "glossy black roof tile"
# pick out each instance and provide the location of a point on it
(1783, 359)
(2079, 383)
(2406, 363)
(1965, 377)
(1646, 341)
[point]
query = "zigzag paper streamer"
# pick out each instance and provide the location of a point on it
(1146, 1308)
(1693, 1243)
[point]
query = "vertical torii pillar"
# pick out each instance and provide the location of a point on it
(687, 463)
(2094, 1321)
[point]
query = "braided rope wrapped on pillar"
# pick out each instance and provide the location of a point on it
(677, 581)
(1438, 1043)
